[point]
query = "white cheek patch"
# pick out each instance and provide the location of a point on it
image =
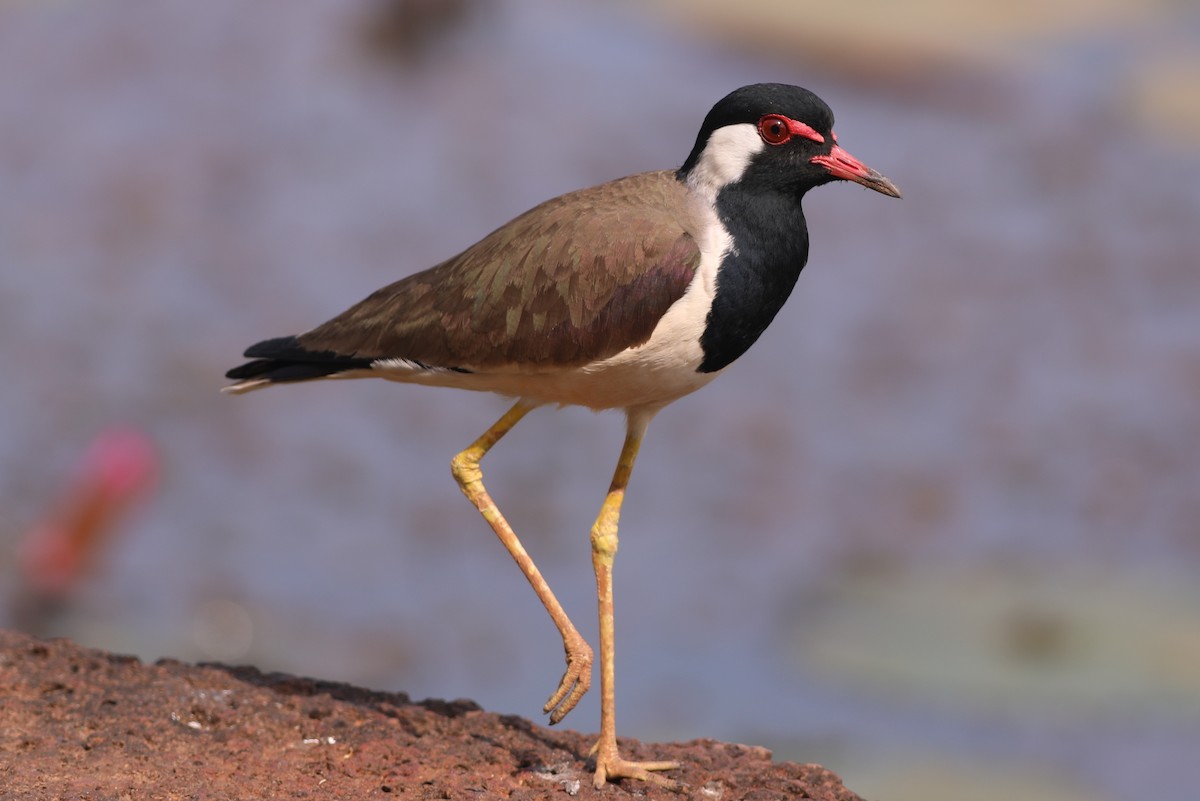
(725, 157)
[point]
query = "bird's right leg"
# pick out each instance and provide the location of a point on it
(465, 466)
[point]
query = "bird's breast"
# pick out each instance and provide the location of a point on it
(756, 273)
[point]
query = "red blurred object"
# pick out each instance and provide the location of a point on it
(118, 469)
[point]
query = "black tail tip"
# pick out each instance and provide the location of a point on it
(277, 348)
(254, 369)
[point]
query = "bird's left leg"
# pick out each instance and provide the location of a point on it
(609, 764)
(465, 466)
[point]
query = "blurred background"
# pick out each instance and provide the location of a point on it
(939, 530)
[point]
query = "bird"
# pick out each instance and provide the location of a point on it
(627, 296)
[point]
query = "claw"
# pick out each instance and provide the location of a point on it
(575, 681)
(610, 766)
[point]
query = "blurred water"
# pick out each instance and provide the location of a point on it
(1000, 372)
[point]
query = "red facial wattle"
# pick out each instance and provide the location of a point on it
(776, 129)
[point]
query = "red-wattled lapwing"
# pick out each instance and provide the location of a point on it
(627, 295)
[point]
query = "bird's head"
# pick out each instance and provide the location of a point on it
(773, 137)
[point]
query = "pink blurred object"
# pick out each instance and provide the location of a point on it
(119, 467)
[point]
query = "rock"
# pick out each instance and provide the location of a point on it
(77, 723)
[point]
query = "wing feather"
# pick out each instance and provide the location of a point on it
(579, 278)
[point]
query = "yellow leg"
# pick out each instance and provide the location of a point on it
(609, 764)
(465, 466)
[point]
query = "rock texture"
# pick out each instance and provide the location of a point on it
(77, 723)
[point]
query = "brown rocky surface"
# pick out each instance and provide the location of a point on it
(77, 723)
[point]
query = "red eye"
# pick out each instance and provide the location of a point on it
(774, 129)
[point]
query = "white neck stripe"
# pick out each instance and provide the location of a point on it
(725, 158)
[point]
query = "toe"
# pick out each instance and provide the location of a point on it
(575, 682)
(610, 766)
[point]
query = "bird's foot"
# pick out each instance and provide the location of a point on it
(610, 766)
(575, 681)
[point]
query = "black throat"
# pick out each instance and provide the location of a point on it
(770, 247)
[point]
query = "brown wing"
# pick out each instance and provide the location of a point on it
(578, 278)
